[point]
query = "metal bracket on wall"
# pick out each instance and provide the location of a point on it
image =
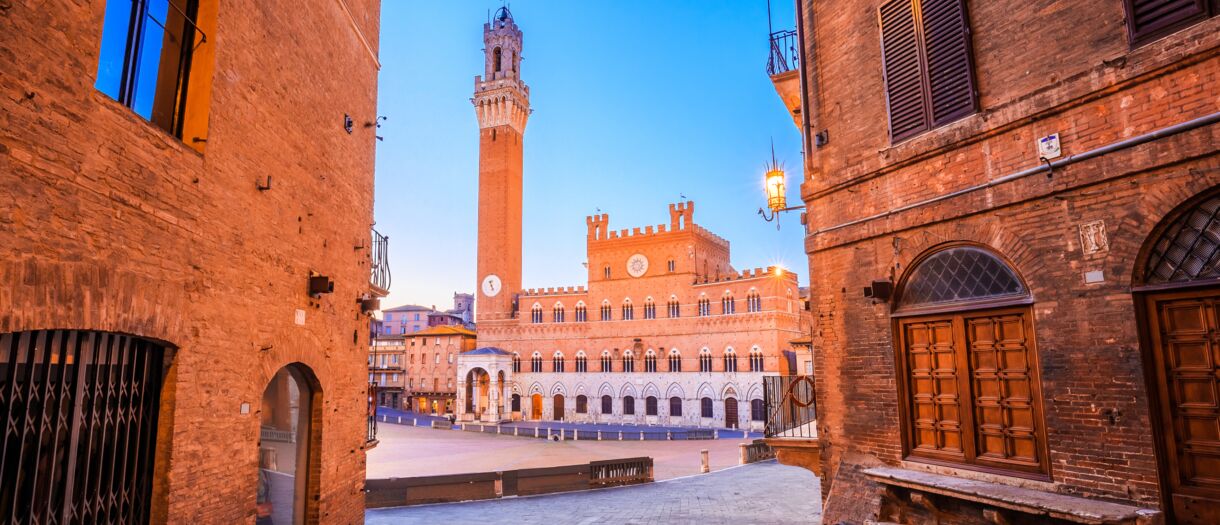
(263, 187)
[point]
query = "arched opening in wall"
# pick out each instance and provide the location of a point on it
(557, 408)
(289, 449)
(650, 406)
(705, 407)
(536, 407)
(64, 396)
(582, 404)
(967, 365)
(628, 406)
(478, 392)
(516, 404)
(730, 412)
(496, 56)
(757, 412)
(607, 405)
(675, 406)
(1177, 300)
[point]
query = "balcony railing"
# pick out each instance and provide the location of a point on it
(791, 406)
(372, 413)
(784, 54)
(380, 277)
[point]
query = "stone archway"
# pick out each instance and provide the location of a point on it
(478, 392)
(289, 445)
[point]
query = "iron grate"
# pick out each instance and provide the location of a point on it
(960, 274)
(1189, 249)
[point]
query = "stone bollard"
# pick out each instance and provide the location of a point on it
(715, 433)
(744, 454)
(703, 457)
(399, 420)
(641, 435)
(620, 435)
(576, 434)
(669, 436)
(599, 435)
(515, 429)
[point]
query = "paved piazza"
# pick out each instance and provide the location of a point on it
(406, 451)
(758, 493)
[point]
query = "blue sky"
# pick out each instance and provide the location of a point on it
(635, 103)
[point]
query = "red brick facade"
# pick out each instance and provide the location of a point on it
(1040, 68)
(111, 224)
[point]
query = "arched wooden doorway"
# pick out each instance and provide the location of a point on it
(967, 363)
(536, 407)
(1178, 303)
(730, 412)
(289, 446)
(557, 408)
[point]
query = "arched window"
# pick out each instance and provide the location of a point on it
(516, 403)
(582, 364)
(757, 412)
(674, 307)
(756, 360)
(628, 310)
(582, 404)
(628, 361)
(496, 58)
(705, 307)
(606, 311)
(438, 358)
(557, 362)
(753, 301)
(650, 406)
(628, 406)
(1187, 248)
(607, 405)
(607, 361)
(675, 406)
(728, 305)
(705, 407)
(968, 367)
(581, 314)
(730, 360)
(536, 363)
(650, 361)
(675, 360)
(516, 363)
(650, 309)
(670, 265)
(514, 61)
(557, 313)
(705, 360)
(536, 313)
(606, 272)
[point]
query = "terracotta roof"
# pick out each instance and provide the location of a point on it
(800, 341)
(444, 330)
(408, 308)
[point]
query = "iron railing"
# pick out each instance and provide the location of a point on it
(380, 275)
(372, 413)
(78, 426)
(757, 451)
(620, 471)
(784, 55)
(791, 406)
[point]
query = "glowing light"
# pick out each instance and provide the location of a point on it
(777, 198)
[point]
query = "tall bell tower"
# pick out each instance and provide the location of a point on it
(502, 105)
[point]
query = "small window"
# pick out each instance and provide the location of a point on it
(557, 314)
(628, 362)
(516, 363)
(675, 308)
(670, 265)
(650, 361)
(730, 361)
(705, 407)
(582, 404)
(606, 272)
(628, 406)
(496, 55)
(753, 302)
(148, 52)
(705, 307)
(757, 412)
(607, 405)
(705, 360)
(728, 305)
(650, 406)
(756, 360)
(581, 314)
(557, 363)
(675, 406)
(628, 311)
(536, 314)
(650, 309)
(607, 362)
(536, 363)
(606, 312)
(675, 361)
(1148, 20)
(581, 363)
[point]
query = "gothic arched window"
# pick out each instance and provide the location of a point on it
(650, 361)
(675, 360)
(1188, 249)
(496, 56)
(957, 275)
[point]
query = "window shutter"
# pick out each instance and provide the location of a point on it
(904, 77)
(946, 35)
(1148, 19)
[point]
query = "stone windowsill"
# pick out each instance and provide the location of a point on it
(1024, 500)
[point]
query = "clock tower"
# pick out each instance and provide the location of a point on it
(501, 103)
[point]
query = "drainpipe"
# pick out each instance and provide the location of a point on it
(804, 63)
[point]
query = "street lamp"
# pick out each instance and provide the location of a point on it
(776, 190)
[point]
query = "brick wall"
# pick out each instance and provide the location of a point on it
(111, 224)
(1042, 67)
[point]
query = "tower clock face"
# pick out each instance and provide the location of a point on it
(636, 265)
(491, 285)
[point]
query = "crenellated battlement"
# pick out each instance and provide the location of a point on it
(681, 218)
(749, 273)
(557, 290)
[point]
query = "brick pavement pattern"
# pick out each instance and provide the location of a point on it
(736, 496)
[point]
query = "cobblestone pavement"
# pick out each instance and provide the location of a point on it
(759, 493)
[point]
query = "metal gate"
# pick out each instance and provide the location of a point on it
(79, 414)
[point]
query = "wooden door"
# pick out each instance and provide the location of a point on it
(730, 413)
(536, 407)
(1183, 327)
(558, 408)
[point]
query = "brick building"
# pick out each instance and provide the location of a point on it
(1029, 193)
(431, 360)
(186, 249)
(667, 331)
(387, 367)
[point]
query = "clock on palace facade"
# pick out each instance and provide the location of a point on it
(491, 285)
(636, 265)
